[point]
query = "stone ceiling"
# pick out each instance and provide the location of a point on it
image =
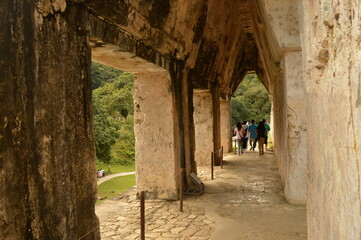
(218, 41)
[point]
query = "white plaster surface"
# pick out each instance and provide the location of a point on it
(280, 125)
(333, 85)
(226, 136)
(282, 16)
(296, 180)
(203, 125)
(156, 170)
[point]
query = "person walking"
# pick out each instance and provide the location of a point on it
(268, 128)
(244, 135)
(261, 132)
(237, 133)
(252, 134)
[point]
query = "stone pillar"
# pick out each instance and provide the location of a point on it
(203, 124)
(226, 118)
(157, 165)
(296, 179)
(47, 156)
(289, 127)
(216, 122)
(332, 70)
(271, 133)
(280, 124)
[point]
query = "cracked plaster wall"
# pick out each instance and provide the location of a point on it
(331, 34)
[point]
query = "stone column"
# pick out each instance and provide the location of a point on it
(216, 122)
(47, 156)
(279, 124)
(226, 132)
(157, 165)
(289, 127)
(296, 179)
(203, 124)
(271, 133)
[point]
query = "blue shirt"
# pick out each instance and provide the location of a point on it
(252, 129)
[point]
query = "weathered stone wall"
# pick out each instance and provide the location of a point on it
(332, 64)
(156, 163)
(288, 92)
(280, 124)
(226, 131)
(296, 180)
(47, 155)
(203, 125)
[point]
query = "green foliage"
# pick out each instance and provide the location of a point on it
(113, 115)
(124, 150)
(102, 74)
(250, 101)
(106, 133)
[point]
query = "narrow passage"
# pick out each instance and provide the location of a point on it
(246, 201)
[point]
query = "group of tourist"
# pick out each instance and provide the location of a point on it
(255, 133)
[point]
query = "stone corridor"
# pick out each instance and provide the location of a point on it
(244, 202)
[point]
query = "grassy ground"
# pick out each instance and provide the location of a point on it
(115, 186)
(115, 168)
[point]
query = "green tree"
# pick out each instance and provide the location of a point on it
(250, 101)
(102, 74)
(123, 151)
(113, 115)
(106, 134)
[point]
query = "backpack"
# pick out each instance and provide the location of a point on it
(244, 132)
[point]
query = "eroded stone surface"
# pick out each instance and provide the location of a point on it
(203, 125)
(156, 164)
(297, 155)
(226, 131)
(333, 88)
(47, 156)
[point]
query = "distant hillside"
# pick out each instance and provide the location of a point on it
(113, 112)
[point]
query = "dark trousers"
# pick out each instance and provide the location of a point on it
(255, 142)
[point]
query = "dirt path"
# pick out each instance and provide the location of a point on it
(106, 178)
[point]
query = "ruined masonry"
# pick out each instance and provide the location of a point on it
(188, 58)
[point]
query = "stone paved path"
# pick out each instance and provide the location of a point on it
(108, 177)
(119, 219)
(244, 202)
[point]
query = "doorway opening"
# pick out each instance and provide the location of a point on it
(113, 123)
(251, 103)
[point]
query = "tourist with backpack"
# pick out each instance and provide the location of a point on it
(261, 134)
